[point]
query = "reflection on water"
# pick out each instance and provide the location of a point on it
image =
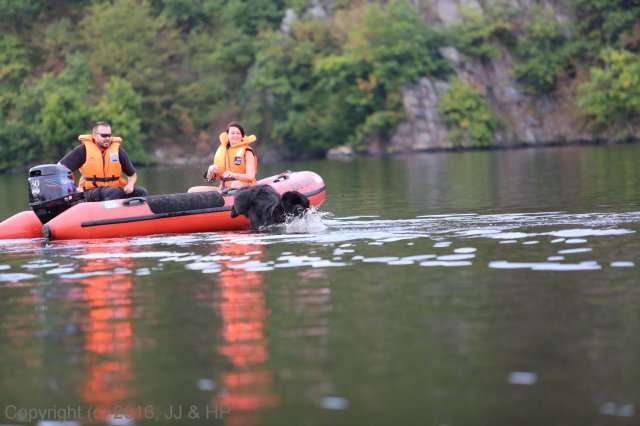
(371, 311)
(242, 305)
(107, 328)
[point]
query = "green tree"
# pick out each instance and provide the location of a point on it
(612, 95)
(479, 34)
(19, 16)
(287, 98)
(187, 14)
(541, 59)
(602, 24)
(391, 47)
(217, 68)
(469, 117)
(221, 50)
(48, 113)
(342, 82)
(253, 16)
(249, 16)
(120, 106)
(61, 39)
(14, 67)
(125, 40)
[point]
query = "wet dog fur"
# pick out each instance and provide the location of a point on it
(264, 206)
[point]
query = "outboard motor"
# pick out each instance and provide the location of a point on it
(52, 190)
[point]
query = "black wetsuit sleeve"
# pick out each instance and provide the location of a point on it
(125, 161)
(76, 158)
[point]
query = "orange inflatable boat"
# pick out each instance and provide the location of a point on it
(160, 214)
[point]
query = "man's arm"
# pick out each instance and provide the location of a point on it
(125, 162)
(128, 188)
(75, 159)
(127, 169)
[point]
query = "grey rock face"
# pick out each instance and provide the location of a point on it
(525, 119)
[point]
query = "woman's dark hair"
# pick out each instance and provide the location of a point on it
(237, 125)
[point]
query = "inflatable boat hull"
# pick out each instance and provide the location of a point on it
(138, 217)
(21, 225)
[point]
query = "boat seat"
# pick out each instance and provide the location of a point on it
(171, 203)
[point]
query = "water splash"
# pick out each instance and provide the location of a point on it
(310, 222)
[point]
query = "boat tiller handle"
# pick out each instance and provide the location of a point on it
(134, 201)
(228, 191)
(282, 176)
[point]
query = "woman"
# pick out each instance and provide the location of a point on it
(235, 162)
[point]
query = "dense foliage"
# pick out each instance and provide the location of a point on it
(470, 119)
(540, 52)
(480, 34)
(160, 71)
(329, 84)
(175, 71)
(549, 48)
(613, 93)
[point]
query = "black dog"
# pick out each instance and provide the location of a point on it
(264, 206)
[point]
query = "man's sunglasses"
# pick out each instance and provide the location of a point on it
(105, 135)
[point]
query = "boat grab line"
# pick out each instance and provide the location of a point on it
(150, 217)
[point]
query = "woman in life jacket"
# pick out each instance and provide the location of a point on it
(234, 162)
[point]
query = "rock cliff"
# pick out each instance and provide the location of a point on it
(525, 119)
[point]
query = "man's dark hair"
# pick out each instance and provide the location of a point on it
(100, 123)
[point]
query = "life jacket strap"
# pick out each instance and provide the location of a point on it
(97, 179)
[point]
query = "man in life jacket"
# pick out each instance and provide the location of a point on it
(102, 162)
(234, 162)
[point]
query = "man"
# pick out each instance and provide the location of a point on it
(102, 162)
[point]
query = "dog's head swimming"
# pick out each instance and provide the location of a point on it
(294, 203)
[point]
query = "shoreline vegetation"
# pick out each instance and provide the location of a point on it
(336, 79)
(346, 154)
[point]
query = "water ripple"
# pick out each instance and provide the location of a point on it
(546, 266)
(361, 240)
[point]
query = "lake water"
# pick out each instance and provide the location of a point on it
(475, 288)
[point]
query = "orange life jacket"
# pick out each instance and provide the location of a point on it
(231, 157)
(101, 168)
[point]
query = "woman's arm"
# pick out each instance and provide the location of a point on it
(250, 174)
